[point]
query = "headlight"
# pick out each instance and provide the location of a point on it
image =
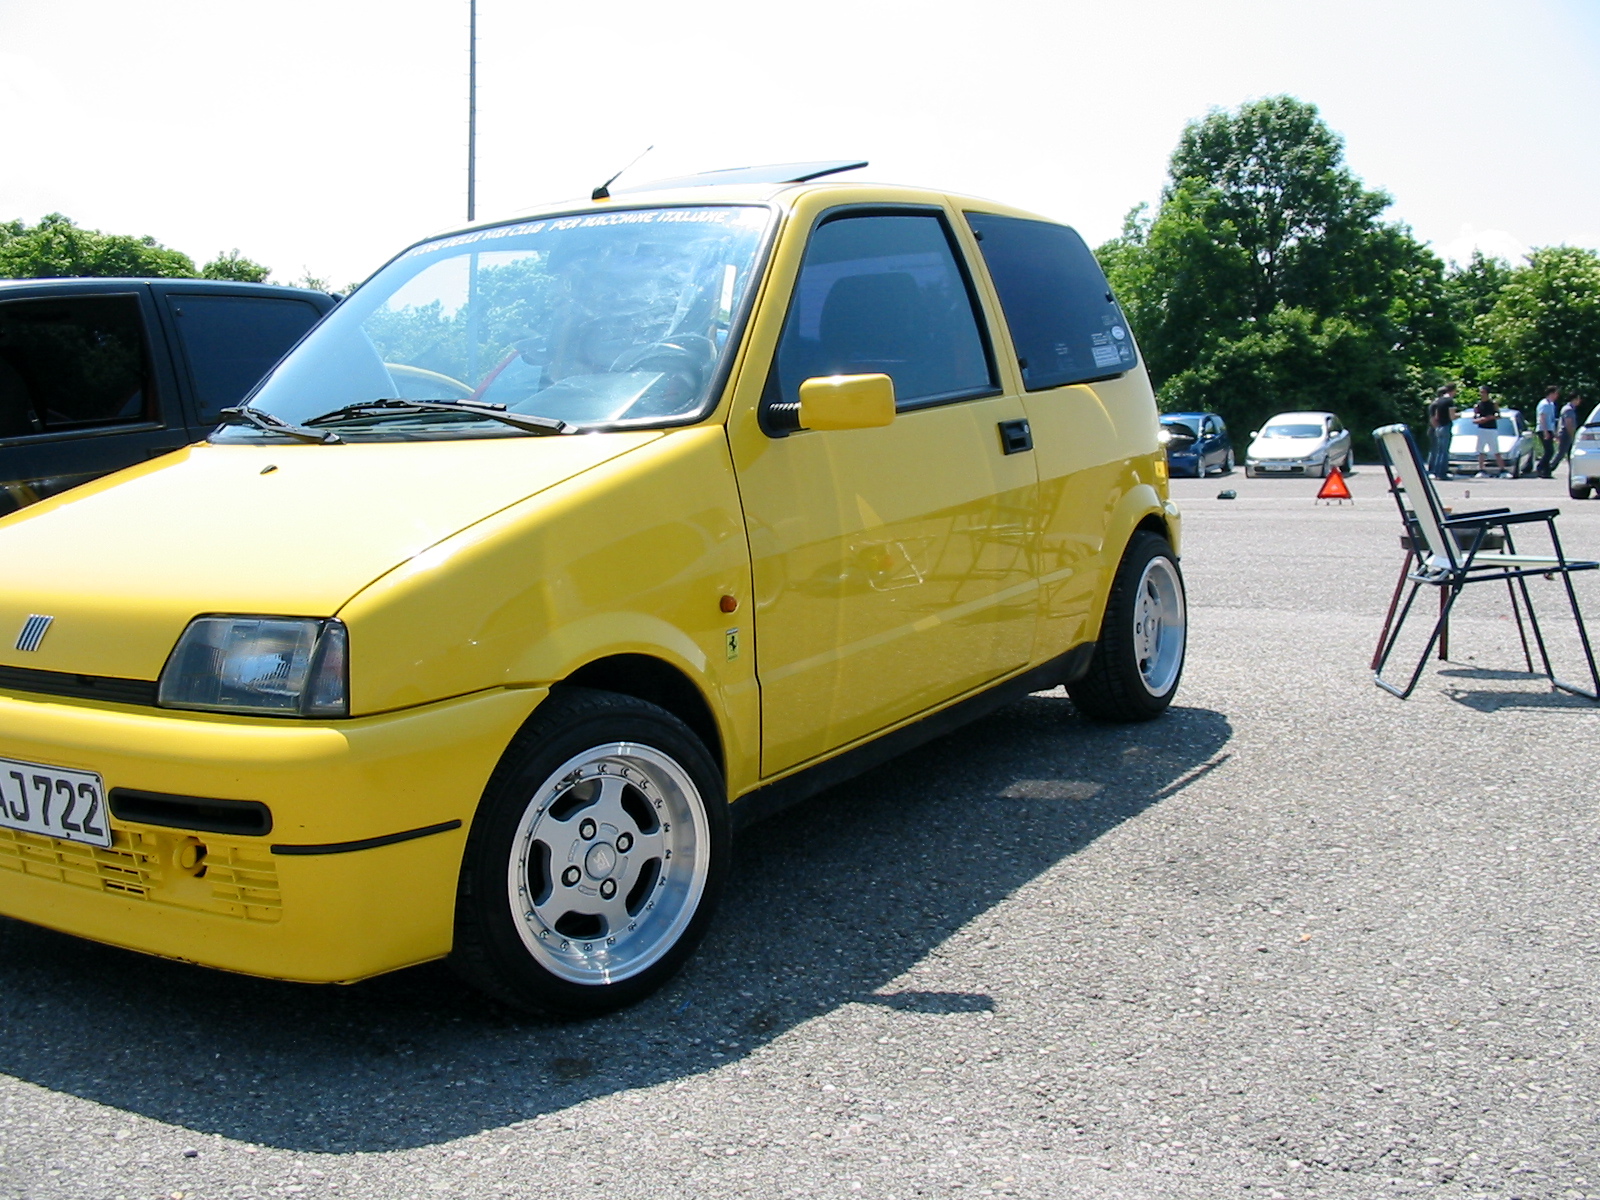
(283, 665)
(1163, 436)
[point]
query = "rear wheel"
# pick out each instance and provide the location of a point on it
(1227, 466)
(1139, 659)
(595, 859)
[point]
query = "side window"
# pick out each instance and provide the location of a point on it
(232, 341)
(77, 362)
(883, 294)
(1064, 322)
(1208, 429)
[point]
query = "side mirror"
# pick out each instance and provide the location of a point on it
(1255, 433)
(846, 402)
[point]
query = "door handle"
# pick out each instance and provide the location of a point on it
(1015, 436)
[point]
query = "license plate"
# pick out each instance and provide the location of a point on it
(54, 801)
(1274, 467)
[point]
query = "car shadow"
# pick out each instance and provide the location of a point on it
(830, 904)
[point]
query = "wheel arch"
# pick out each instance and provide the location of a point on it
(658, 682)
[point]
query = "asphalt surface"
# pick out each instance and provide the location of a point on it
(1295, 938)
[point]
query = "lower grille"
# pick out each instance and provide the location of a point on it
(231, 880)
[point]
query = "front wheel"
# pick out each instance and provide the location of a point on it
(1578, 493)
(1139, 659)
(595, 859)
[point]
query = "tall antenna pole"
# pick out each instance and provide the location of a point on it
(472, 110)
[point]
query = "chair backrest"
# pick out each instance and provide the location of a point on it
(1413, 492)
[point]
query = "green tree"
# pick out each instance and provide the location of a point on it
(1472, 292)
(233, 265)
(58, 247)
(1544, 326)
(1266, 280)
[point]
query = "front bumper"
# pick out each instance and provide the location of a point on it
(309, 901)
(1278, 466)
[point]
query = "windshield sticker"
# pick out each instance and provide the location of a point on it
(742, 215)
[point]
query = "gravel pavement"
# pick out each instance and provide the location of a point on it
(1295, 938)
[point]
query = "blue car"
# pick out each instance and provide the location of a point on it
(1197, 443)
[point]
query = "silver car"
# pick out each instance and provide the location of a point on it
(1299, 443)
(1583, 463)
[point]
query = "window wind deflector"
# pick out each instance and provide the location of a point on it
(494, 412)
(259, 419)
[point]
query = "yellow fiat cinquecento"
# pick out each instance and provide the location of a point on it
(561, 547)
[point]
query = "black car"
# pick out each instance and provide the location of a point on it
(100, 374)
(1197, 443)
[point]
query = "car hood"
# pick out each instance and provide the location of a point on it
(1287, 447)
(123, 564)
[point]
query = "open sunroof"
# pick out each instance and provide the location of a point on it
(777, 173)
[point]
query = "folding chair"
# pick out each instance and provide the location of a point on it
(1449, 552)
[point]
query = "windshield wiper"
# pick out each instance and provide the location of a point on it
(494, 412)
(257, 418)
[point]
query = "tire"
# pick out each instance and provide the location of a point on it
(644, 858)
(1249, 471)
(1139, 659)
(1578, 493)
(1227, 466)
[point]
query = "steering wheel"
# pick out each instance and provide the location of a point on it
(684, 361)
(423, 379)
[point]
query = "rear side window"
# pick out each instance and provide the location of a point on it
(1066, 327)
(77, 362)
(883, 294)
(232, 341)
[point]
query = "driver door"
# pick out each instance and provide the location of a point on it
(894, 566)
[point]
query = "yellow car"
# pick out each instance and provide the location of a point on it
(562, 548)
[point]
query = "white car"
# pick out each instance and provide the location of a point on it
(1299, 443)
(1583, 464)
(1518, 445)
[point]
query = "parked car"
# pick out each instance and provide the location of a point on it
(1197, 444)
(1583, 462)
(1518, 445)
(720, 495)
(100, 374)
(1299, 443)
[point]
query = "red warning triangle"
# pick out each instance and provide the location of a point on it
(1334, 487)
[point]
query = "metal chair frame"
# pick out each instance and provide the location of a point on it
(1449, 552)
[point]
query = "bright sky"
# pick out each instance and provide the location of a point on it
(324, 135)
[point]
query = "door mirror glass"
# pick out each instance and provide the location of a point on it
(846, 402)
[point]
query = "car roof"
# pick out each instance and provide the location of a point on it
(1194, 413)
(93, 282)
(675, 193)
(1294, 416)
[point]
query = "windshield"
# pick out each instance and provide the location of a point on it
(1469, 425)
(1292, 431)
(600, 319)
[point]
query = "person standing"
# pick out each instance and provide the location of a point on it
(1570, 418)
(1486, 416)
(1544, 424)
(1441, 417)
